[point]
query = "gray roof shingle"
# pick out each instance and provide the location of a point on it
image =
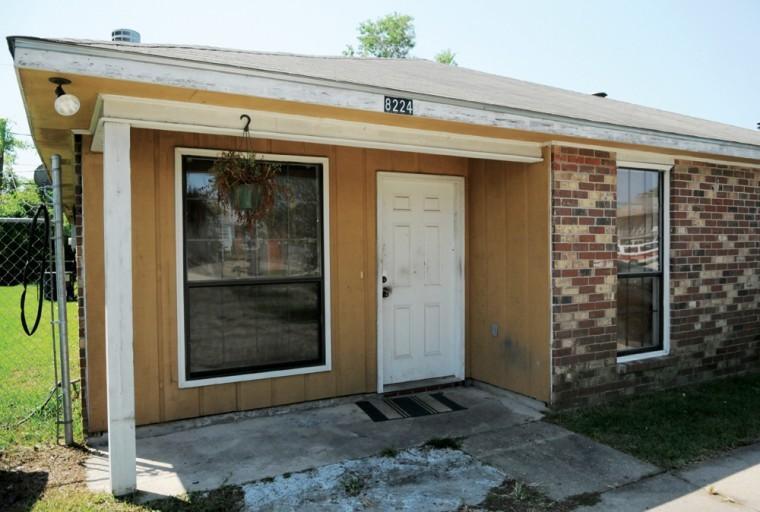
(424, 77)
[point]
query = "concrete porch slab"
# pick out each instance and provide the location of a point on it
(175, 462)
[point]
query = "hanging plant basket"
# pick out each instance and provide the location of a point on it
(246, 197)
(244, 185)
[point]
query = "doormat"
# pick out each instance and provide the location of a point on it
(410, 406)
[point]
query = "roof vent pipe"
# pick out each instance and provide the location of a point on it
(125, 35)
(600, 94)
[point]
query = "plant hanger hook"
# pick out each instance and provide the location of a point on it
(247, 118)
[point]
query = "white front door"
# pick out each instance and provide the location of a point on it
(420, 279)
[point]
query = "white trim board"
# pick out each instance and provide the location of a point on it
(629, 155)
(644, 165)
(459, 241)
(201, 118)
(180, 264)
(637, 158)
(64, 58)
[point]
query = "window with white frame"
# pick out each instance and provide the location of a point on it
(640, 222)
(254, 296)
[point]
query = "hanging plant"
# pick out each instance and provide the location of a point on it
(244, 185)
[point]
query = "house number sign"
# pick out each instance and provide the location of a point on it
(398, 105)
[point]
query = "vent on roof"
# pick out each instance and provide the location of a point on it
(600, 94)
(125, 35)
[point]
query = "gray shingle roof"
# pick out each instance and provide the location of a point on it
(423, 77)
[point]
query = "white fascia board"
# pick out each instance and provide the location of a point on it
(642, 159)
(201, 118)
(648, 160)
(106, 63)
(634, 164)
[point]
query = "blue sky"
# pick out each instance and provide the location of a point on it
(695, 57)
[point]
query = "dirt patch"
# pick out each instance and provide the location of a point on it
(26, 473)
(516, 496)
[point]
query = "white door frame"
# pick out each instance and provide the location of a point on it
(459, 245)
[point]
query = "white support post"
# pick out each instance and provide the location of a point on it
(117, 224)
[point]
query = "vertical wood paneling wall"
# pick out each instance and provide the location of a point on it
(353, 263)
(507, 251)
(509, 223)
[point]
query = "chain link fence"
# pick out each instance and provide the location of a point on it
(30, 398)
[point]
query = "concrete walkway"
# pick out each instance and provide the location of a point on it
(728, 483)
(502, 435)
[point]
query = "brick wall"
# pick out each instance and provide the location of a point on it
(715, 269)
(714, 282)
(77, 221)
(583, 272)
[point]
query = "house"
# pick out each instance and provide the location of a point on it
(433, 224)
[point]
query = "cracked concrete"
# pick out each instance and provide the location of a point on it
(180, 460)
(502, 437)
(413, 480)
(559, 462)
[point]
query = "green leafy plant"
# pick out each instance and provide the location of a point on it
(9, 144)
(391, 36)
(353, 485)
(244, 185)
(446, 57)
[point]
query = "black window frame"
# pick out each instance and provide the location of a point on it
(659, 274)
(321, 359)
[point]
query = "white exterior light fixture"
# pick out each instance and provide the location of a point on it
(65, 104)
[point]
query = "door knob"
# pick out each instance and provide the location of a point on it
(386, 292)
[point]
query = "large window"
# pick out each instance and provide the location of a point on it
(639, 261)
(253, 296)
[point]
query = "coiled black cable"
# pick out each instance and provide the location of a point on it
(29, 262)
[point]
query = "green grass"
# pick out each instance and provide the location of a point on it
(71, 499)
(675, 427)
(516, 496)
(26, 372)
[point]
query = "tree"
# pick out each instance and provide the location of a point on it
(9, 144)
(446, 57)
(391, 36)
(21, 200)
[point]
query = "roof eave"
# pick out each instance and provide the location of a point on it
(11, 40)
(35, 53)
